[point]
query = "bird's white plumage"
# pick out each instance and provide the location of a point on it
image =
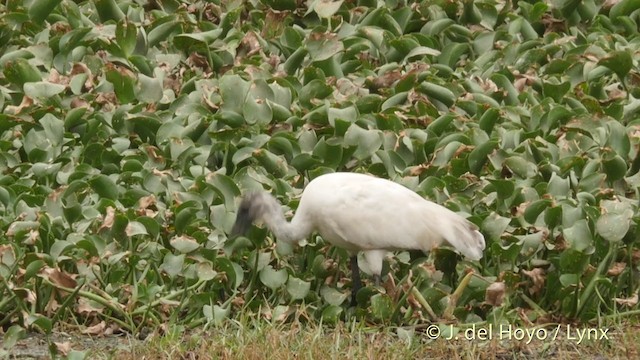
(363, 213)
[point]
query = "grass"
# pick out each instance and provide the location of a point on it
(262, 339)
(252, 338)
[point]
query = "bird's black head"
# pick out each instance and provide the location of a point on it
(247, 214)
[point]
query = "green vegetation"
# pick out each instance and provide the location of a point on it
(129, 128)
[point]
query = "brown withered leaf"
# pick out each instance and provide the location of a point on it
(107, 100)
(34, 234)
(196, 60)
(58, 277)
(14, 110)
(27, 295)
(616, 268)
(522, 314)
(63, 348)
(628, 302)
(87, 307)
(97, 329)
(79, 68)
(251, 43)
(538, 278)
(107, 223)
(7, 254)
(52, 306)
(147, 201)
(494, 294)
(77, 102)
(153, 152)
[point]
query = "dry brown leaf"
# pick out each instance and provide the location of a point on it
(522, 314)
(251, 42)
(63, 347)
(196, 60)
(629, 302)
(616, 268)
(32, 238)
(97, 329)
(56, 78)
(58, 277)
(14, 110)
(147, 201)
(31, 296)
(77, 102)
(52, 305)
(79, 68)
(153, 152)
(494, 294)
(109, 218)
(87, 307)
(107, 99)
(538, 278)
(6, 252)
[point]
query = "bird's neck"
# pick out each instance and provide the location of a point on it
(290, 232)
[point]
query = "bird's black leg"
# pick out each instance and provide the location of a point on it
(355, 276)
(376, 279)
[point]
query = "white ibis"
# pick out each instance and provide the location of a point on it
(362, 213)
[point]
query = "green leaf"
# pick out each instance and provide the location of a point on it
(123, 84)
(149, 89)
(43, 322)
(184, 41)
(205, 271)
(439, 93)
(273, 279)
(614, 226)
(623, 8)
(11, 336)
(108, 10)
(126, 37)
(184, 244)
(233, 90)
(535, 209)
(172, 264)
(333, 296)
(366, 141)
(579, 235)
(322, 46)
(421, 51)
(495, 225)
(135, 228)
(331, 314)
(53, 129)
(104, 186)
(381, 306)
(162, 31)
(216, 313)
(20, 71)
(186, 215)
(298, 288)
(556, 90)
(42, 89)
(520, 166)
(614, 166)
(439, 125)
(40, 10)
(479, 156)
(326, 9)
(619, 62)
(315, 89)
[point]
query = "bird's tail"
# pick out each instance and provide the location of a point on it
(465, 237)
